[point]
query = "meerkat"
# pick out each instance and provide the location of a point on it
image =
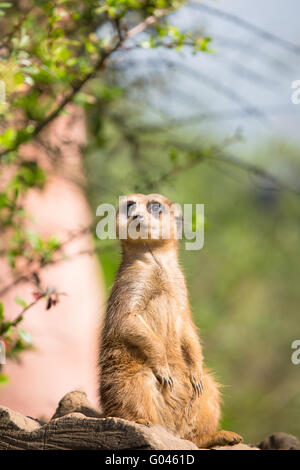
(151, 362)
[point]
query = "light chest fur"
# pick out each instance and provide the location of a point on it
(158, 295)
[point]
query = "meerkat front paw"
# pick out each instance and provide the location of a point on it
(197, 382)
(163, 376)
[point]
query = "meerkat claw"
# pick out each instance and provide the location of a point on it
(197, 386)
(165, 381)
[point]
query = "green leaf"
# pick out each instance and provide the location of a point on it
(6, 330)
(30, 174)
(8, 138)
(173, 154)
(3, 379)
(29, 80)
(57, 33)
(149, 43)
(53, 243)
(25, 336)
(203, 44)
(35, 240)
(21, 302)
(1, 311)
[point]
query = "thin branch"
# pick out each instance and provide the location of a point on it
(144, 24)
(28, 307)
(52, 296)
(14, 283)
(276, 183)
(208, 81)
(218, 154)
(235, 67)
(224, 115)
(250, 48)
(4, 327)
(219, 87)
(131, 138)
(246, 25)
(117, 24)
(172, 173)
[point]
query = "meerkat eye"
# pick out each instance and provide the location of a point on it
(155, 208)
(130, 207)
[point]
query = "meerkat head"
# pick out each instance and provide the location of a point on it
(148, 218)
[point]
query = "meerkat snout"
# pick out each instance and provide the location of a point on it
(140, 217)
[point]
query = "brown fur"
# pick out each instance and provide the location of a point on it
(151, 363)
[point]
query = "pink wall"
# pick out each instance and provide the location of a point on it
(66, 336)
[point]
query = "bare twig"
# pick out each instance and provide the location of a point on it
(218, 154)
(144, 24)
(19, 318)
(277, 184)
(209, 81)
(246, 25)
(225, 115)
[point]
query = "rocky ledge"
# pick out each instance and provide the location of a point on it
(76, 424)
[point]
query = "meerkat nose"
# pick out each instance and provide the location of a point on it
(138, 216)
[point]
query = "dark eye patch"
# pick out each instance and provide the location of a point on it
(155, 208)
(130, 207)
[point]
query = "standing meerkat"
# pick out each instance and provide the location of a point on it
(151, 363)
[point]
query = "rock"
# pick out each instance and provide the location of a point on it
(14, 421)
(280, 441)
(76, 402)
(237, 447)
